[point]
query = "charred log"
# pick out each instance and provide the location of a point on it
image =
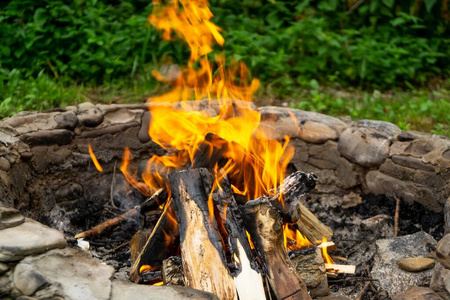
(264, 224)
(204, 261)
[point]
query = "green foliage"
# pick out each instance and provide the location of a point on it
(85, 40)
(380, 43)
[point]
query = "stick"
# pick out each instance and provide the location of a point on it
(397, 212)
(364, 290)
(96, 231)
(134, 273)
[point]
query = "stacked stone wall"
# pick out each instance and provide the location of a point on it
(46, 170)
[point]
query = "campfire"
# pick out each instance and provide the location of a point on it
(228, 214)
(202, 189)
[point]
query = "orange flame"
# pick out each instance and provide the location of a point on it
(252, 246)
(294, 239)
(94, 159)
(326, 257)
(254, 163)
(141, 187)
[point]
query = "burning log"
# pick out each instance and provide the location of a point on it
(264, 224)
(204, 261)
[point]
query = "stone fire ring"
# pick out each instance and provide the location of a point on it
(46, 173)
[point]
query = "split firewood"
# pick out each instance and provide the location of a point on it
(311, 227)
(287, 196)
(240, 261)
(340, 269)
(293, 211)
(204, 261)
(96, 231)
(264, 224)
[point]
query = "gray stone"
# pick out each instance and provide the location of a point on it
(6, 286)
(143, 136)
(3, 268)
(113, 129)
(27, 280)
(5, 165)
(327, 156)
(412, 162)
(47, 137)
(443, 251)
(28, 238)
(122, 290)
(415, 264)
(10, 217)
(431, 149)
(311, 127)
(378, 223)
(379, 183)
(72, 273)
(440, 282)
(312, 269)
(367, 142)
(89, 115)
(385, 269)
(447, 216)
(66, 120)
(417, 293)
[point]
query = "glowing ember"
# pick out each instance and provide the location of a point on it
(236, 259)
(250, 240)
(94, 159)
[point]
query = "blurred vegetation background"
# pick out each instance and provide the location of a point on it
(379, 59)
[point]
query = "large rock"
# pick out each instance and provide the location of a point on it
(122, 290)
(417, 293)
(393, 279)
(10, 217)
(440, 282)
(89, 115)
(71, 273)
(443, 251)
(379, 183)
(311, 127)
(28, 238)
(367, 142)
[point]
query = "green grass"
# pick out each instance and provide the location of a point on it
(422, 109)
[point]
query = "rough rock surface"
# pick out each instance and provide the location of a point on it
(10, 217)
(73, 273)
(440, 282)
(122, 290)
(417, 293)
(28, 238)
(443, 251)
(385, 268)
(311, 127)
(367, 142)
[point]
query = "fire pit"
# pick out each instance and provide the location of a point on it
(229, 200)
(48, 174)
